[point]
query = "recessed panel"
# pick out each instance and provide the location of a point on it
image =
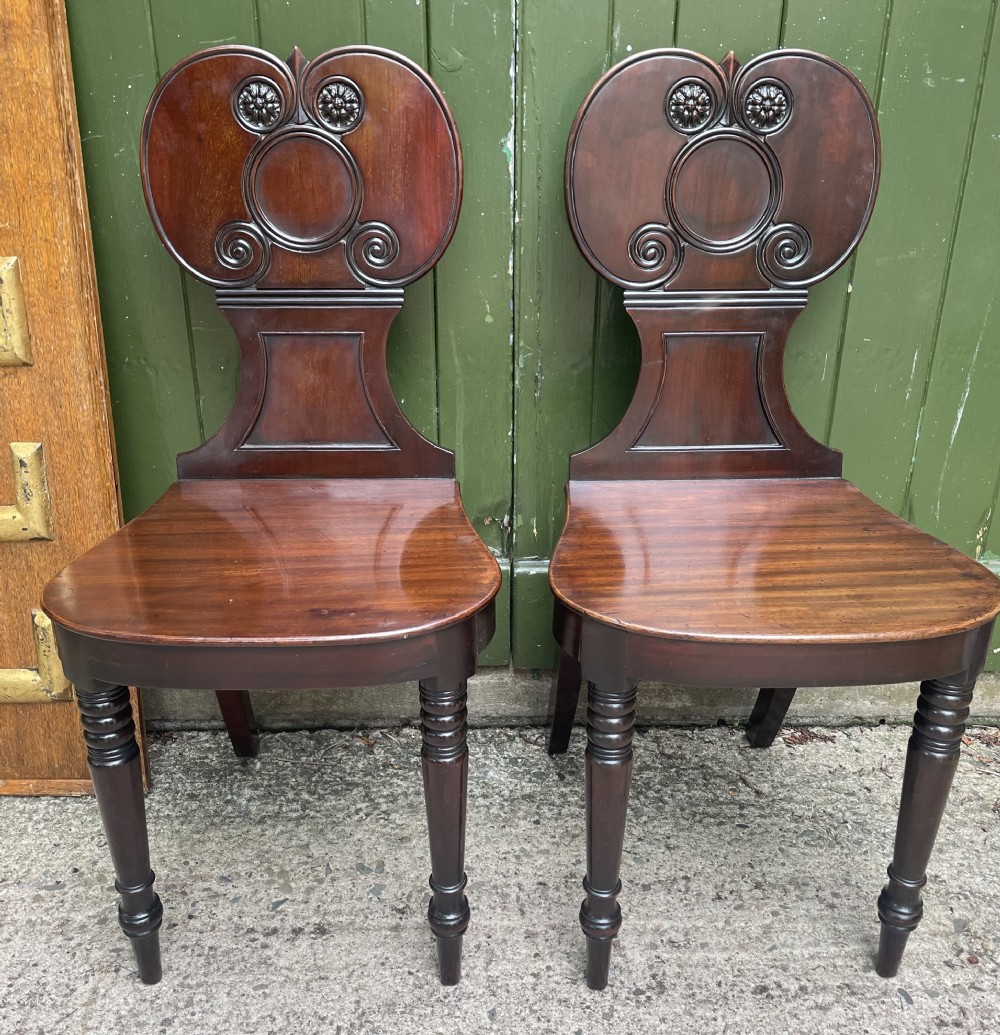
(709, 395)
(722, 191)
(315, 395)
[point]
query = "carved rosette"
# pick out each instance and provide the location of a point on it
(257, 104)
(313, 149)
(690, 105)
(340, 104)
(767, 106)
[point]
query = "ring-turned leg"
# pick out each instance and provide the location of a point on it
(768, 714)
(931, 760)
(565, 694)
(109, 731)
(237, 714)
(610, 719)
(445, 758)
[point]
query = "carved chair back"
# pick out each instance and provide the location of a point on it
(309, 194)
(716, 196)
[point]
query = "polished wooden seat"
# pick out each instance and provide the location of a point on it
(304, 563)
(709, 539)
(769, 560)
(316, 540)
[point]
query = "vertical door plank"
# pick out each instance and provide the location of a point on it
(958, 450)
(471, 58)
(563, 47)
(852, 32)
(411, 355)
(149, 361)
(312, 28)
(715, 29)
(933, 59)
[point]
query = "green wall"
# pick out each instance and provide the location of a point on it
(514, 353)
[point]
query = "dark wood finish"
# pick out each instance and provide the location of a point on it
(768, 714)
(317, 540)
(709, 539)
(113, 757)
(445, 764)
(610, 719)
(565, 695)
(931, 760)
(237, 714)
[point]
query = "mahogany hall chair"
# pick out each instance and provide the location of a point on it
(317, 540)
(709, 539)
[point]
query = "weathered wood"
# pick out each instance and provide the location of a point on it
(53, 388)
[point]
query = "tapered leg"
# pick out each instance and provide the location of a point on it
(565, 694)
(237, 714)
(610, 718)
(931, 760)
(445, 759)
(106, 713)
(768, 714)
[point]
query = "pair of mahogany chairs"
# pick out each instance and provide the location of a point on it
(318, 540)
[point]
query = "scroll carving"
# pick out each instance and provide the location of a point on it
(317, 125)
(737, 164)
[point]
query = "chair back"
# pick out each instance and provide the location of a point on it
(716, 196)
(309, 194)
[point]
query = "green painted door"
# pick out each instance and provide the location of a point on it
(514, 354)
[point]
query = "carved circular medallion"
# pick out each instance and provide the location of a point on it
(257, 104)
(304, 187)
(690, 105)
(340, 104)
(722, 191)
(767, 105)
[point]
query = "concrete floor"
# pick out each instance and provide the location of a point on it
(295, 891)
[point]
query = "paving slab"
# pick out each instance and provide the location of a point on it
(295, 892)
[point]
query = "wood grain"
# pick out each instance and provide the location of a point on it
(761, 560)
(61, 400)
(282, 562)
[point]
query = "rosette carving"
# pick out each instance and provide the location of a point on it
(655, 248)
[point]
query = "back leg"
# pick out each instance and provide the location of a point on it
(768, 714)
(565, 694)
(237, 714)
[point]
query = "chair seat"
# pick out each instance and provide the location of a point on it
(282, 561)
(761, 560)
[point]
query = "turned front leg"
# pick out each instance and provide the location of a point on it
(610, 718)
(931, 760)
(113, 755)
(445, 762)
